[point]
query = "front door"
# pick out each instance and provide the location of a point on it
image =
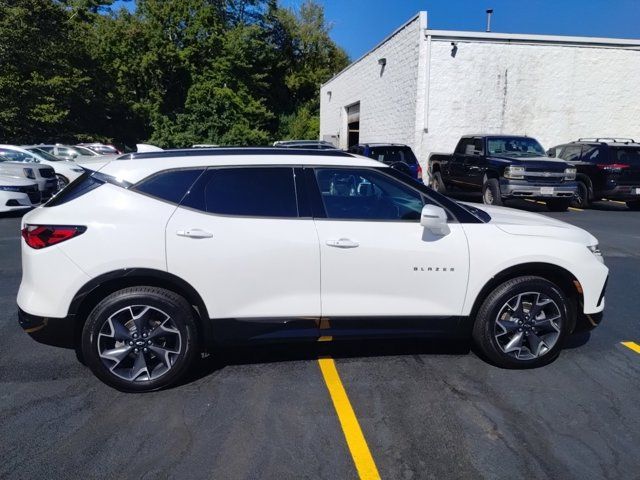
(238, 239)
(376, 259)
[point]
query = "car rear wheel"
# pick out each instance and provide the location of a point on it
(62, 181)
(140, 339)
(558, 204)
(522, 323)
(581, 198)
(633, 205)
(437, 183)
(491, 192)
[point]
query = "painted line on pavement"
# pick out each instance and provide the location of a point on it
(356, 442)
(632, 345)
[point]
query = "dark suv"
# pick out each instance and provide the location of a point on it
(607, 168)
(397, 156)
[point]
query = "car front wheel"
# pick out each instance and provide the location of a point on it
(140, 339)
(522, 323)
(62, 181)
(491, 192)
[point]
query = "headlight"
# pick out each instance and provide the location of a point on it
(514, 173)
(570, 173)
(28, 172)
(595, 249)
(7, 188)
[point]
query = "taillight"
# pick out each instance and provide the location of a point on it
(613, 166)
(419, 172)
(41, 236)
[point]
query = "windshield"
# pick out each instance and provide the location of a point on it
(390, 155)
(626, 155)
(44, 155)
(515, 147)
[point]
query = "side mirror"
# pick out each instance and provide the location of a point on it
(434, 219)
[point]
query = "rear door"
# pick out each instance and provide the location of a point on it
(241, 239)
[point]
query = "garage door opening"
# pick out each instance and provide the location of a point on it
(353, 124)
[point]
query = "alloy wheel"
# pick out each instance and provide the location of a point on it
(139, 343)
(528, 326)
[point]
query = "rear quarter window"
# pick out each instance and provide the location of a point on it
(170, 186)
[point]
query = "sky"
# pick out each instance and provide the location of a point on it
(359, 25)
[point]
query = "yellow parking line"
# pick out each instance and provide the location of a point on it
(632, 345)
(360, 453)
(617, 201)
(576, 209)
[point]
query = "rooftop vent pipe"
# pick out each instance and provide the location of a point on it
(489, 13)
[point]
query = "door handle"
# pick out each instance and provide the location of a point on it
(194, 233)
(343, 243)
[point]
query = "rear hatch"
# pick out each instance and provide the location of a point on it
(624, 163)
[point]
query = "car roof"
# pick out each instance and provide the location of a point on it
(382, 145)
(492, 135)
(134, 167)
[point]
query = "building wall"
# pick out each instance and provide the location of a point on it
(554, 93)
(388, 97)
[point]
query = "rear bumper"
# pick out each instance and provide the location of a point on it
(58, 332)
(526, 189)
(622, 192)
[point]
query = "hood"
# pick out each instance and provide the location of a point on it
(15, 169)
(10, 181)
(550, 163)
(518, 222)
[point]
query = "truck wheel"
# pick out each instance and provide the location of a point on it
(491, 192)
(558, 204)
(581, 199)
(633, 205)
(140, 339)
(437, 183)
(522, 323)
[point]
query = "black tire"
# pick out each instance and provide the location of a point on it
(62, 181)
(558, 204)
(485, 324)
(633, 205)
(491, 193)
(179, 338)
(581, 200)
(438, 184)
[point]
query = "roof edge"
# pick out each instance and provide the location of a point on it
(377, 46)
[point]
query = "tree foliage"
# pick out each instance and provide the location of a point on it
(172, 72)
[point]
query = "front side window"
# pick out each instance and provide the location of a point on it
(363, 194)
(246, 191)
(571, 154)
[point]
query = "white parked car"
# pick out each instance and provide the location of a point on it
(18, 193)
(66, 171)
(43, 175)
(263, 244)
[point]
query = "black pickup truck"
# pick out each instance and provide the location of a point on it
(503, 167)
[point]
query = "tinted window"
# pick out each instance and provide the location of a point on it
(626, 155)
(391, 155)
(571, 154)
(463, 144)
(362, 194)
(170, 186)
(247, 191)
(515, 147)
(81, 185)
(593, 154)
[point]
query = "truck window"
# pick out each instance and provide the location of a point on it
(463, 144)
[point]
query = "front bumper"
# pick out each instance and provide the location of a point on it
(59, 332)
(527, 189)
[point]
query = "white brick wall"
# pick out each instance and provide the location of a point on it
(551, 92)
(387, 101)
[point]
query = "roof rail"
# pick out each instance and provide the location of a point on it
(607, 140)
(201, 152)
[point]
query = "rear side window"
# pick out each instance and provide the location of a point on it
(81, 185)
(571, 154)
(246, 191)
(171, 185)
(626, 155)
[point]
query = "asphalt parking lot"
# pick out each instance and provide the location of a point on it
(424, 409)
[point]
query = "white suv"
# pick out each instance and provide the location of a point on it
(159, 255)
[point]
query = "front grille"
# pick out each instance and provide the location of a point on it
(544, 180)
(47, 173)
